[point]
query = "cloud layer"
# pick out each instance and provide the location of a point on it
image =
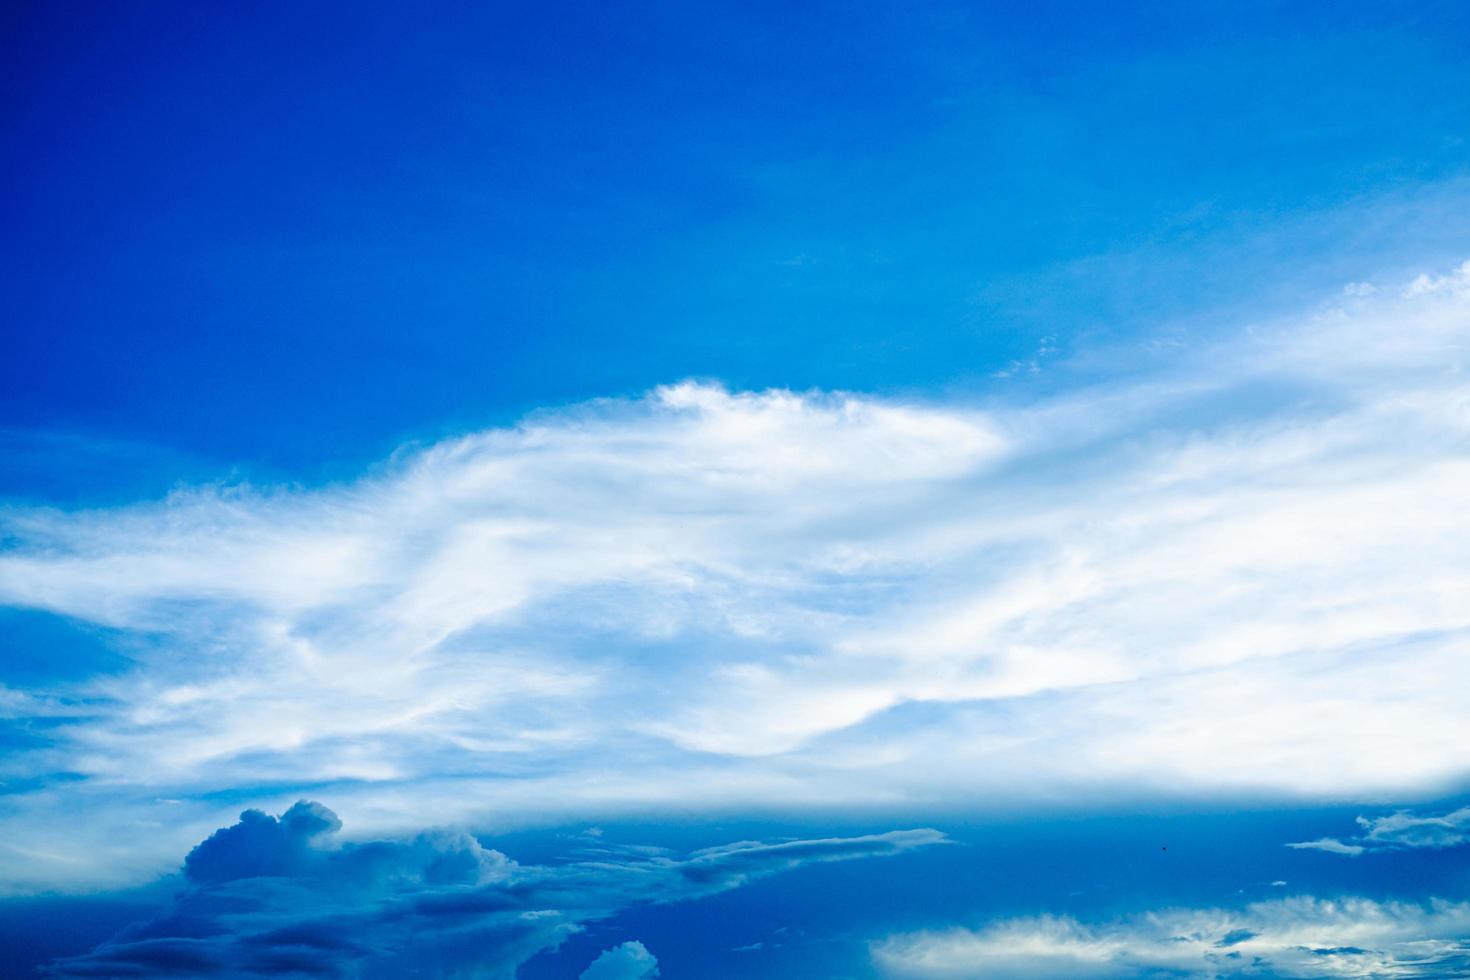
(280, 896)
(1293, 937)
(1235, 567)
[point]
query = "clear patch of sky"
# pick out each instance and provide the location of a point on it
(40, 649)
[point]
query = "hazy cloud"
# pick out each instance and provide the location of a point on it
(1403, 830)
(1292, 937)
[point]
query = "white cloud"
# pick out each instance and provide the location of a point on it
(1291, 937)
(1407, 830)
(1329, 844)
(1400, 831)
(1244, 571)
(630, 961)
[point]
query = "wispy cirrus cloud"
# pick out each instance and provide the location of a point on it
(1400, 831)
(1238, 569)
(1290, 937)
(269, 896)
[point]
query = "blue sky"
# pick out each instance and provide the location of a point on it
(863, 490)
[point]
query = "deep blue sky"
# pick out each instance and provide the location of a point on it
(288, 235)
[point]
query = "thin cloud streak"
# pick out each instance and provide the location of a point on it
(1400, 831)
(1300, 936)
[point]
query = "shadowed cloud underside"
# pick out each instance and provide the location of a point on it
(274, 896)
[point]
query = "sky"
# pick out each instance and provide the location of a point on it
(735, 490)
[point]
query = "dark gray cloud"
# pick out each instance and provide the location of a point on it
(286, 897)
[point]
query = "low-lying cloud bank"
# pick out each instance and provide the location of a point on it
(285, 896)
(1239, 568)
(1292, 937)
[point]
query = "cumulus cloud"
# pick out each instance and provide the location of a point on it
(1240, 570)
(1292, 937)
(1399, 831)
(630, 961)
(272, 896)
